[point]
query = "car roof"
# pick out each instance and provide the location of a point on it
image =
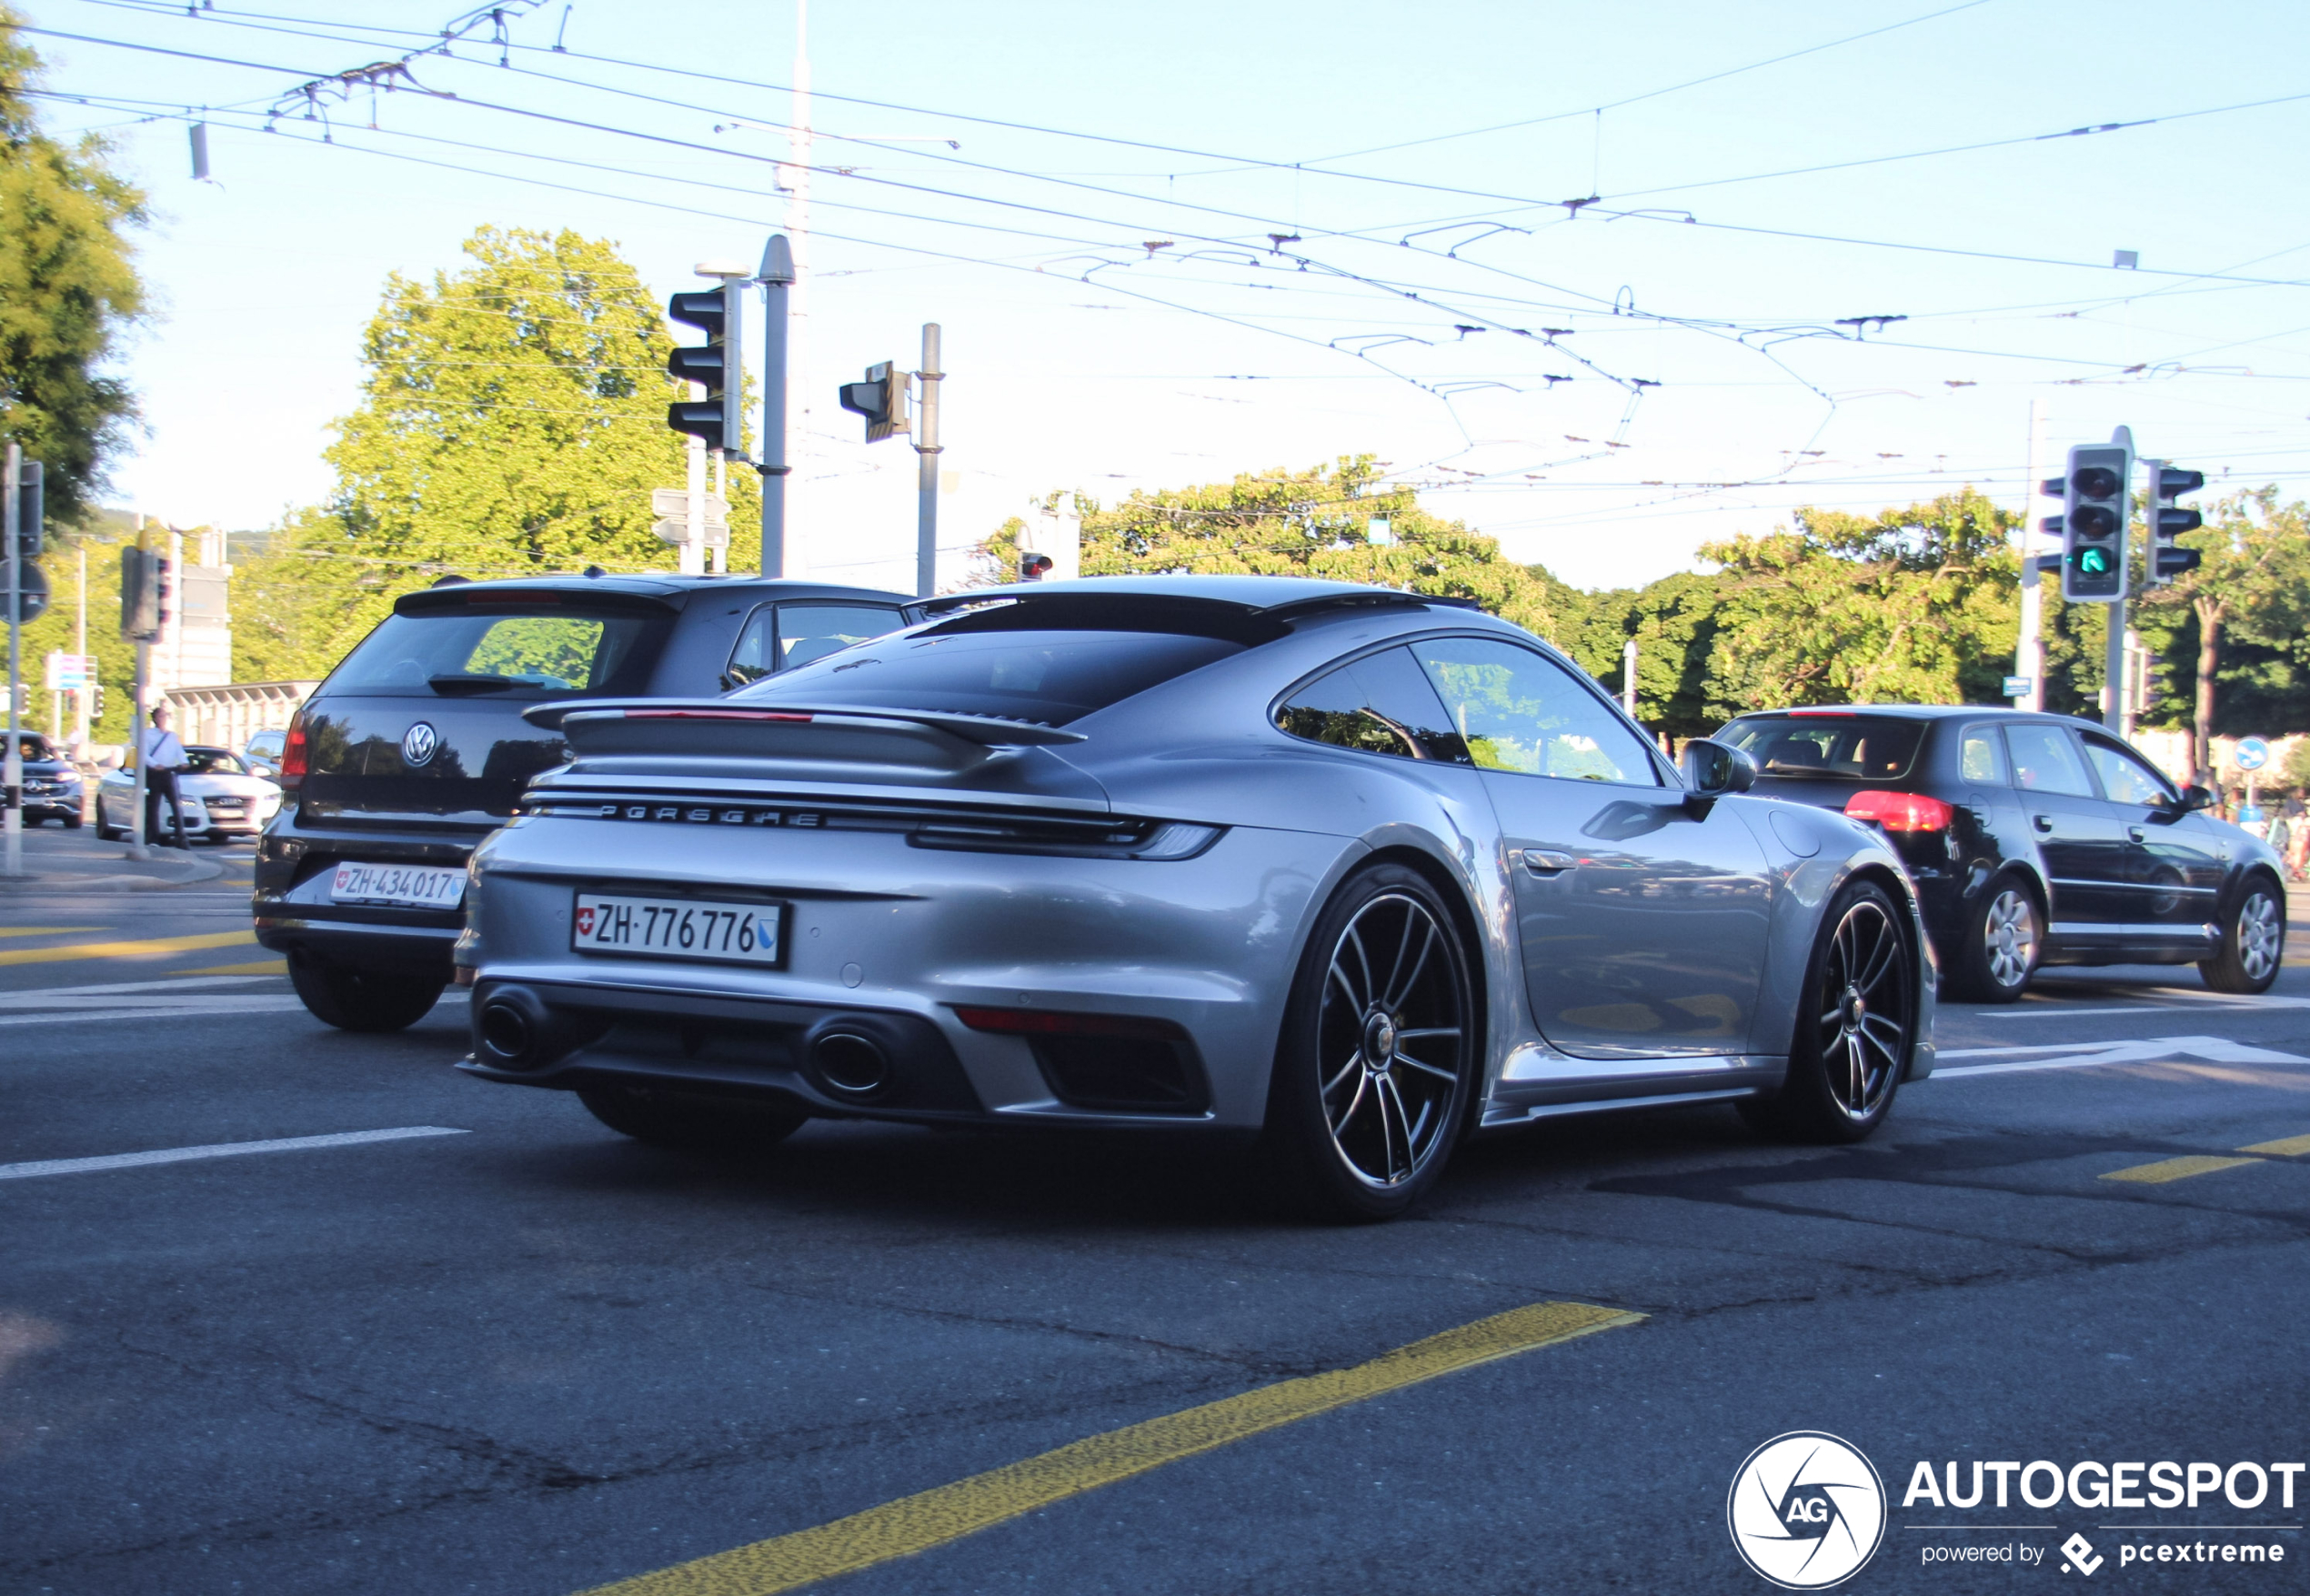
(1918, 712)
(1251, 595)
(663, 587)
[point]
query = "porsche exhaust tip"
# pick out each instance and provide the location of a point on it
(850, 1065)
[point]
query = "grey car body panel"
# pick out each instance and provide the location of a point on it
(1211, 943)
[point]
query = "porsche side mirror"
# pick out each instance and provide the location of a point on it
(2195, 798)
(1713, 770)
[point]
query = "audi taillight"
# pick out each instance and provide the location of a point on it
(1899, 811)
(293, 750)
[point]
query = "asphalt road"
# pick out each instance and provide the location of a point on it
(530, 1357)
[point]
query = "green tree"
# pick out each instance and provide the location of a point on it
(1318, 523)
(2250, 600)
(512, 421)
(69, 290)
(1910, 605)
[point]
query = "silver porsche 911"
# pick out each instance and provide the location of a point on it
(1346, 871)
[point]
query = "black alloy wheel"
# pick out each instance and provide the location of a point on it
(2253, 942)
(2004, 940)
(1856, 1023)
(369, 1001)
(1376, 1069)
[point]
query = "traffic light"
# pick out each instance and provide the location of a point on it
(141, 595)
(1033, 567)
(720, 417)
(2166, 523)
(2093, 523)
(881, 400)
(29, 499)
(97, 702)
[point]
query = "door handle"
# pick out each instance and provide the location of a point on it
(2137, 834)
(1546, 861)
(2044, 822)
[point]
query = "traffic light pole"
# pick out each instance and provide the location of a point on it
(776, 277)
(926, 443)
(12, 771)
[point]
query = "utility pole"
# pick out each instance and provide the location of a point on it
(138, 690)
(2113, 714)
(694, 535)
(776, 277)
(926, 443)
(2029, 651)
(794, 550)
(12, 768)
(87, 680)
(1628, 678)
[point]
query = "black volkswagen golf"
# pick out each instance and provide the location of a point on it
(2035, 839)
(414, 749)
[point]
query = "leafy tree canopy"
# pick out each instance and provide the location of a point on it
(1315, 523)
(68, 291)
(513, 421)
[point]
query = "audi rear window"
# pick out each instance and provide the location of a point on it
(525, 652)
(1049, 677)
(1829, 747)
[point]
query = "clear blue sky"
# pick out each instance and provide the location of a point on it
(1214, 354)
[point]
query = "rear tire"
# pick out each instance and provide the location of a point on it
(1377, 1066)
(1856, 1025)
(361, 1001)
(2004, 938)
(691, 1124)
(2253, 942)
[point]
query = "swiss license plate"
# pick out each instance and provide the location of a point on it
(677, 928)
(405, 886)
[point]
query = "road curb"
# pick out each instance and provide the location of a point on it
(127, 882)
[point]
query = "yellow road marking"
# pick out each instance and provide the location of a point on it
(2291, 1147)
(916, 1523)
(47, 930)
(2165, 1169)
(145, 949)
(262, 967)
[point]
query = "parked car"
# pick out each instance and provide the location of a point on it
(224, 800)
(262, 752)
(51, 785)
(414, 749)
(1347, 867)
(2035, 839)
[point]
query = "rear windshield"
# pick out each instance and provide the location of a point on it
(524, 654)
(1049, 677)
(1829, 747)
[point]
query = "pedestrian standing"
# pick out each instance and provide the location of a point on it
(163, 757)
(2297, 818)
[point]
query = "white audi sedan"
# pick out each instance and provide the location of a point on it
(224, 801)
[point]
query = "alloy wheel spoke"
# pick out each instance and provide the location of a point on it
(1411, 1128)
(1355, 1062)
(1348, 1113)
(1425, 1069)
(1398, 993)
(1387, 1134)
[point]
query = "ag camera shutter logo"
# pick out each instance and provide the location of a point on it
(1806, 1511)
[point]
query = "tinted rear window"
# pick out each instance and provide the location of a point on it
(525, 654)
(1829, 747)
(1049, 677)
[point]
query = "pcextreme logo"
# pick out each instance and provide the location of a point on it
(1806, 1511)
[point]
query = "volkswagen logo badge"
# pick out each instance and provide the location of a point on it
(418, 745)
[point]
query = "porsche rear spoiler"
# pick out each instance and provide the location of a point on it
(808, 733)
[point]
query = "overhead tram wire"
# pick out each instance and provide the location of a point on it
(1519, 200)
(1658, 93)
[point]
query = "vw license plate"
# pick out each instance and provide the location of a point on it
(406, 886)
(677, 928)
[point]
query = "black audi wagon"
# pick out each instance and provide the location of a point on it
(2035, 839)
(414, 749)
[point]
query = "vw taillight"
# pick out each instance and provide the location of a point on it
(293, 750)
(1899, 811)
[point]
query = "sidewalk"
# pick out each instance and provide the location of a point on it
(75, 861)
